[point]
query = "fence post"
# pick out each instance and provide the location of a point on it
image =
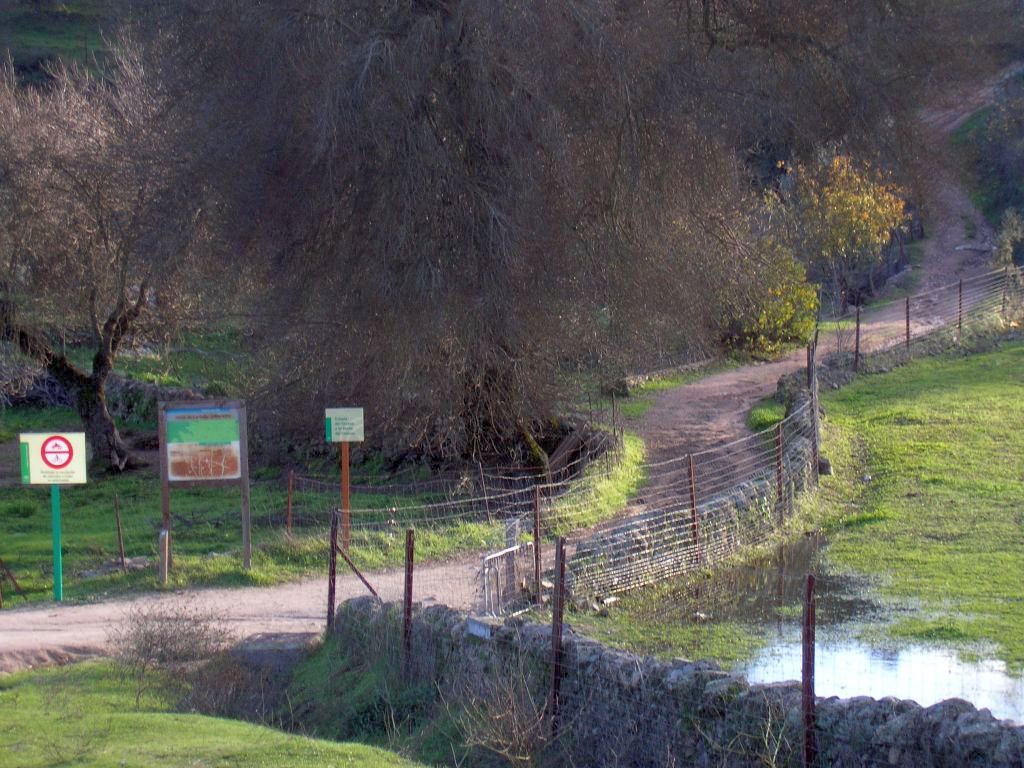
(410, 550)
(120, 533)
(1006, 286)
(332, 569)
(291, 493)
(960, 306)
(908, 325)
(694, 517)
(346, 501)
(483, 490)
(810, 750)
(779, 480)
(165, 555)
(557, 615)
(536, 546)
(856, 344)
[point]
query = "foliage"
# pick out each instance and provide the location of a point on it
(83, 715)
(995, 139)
(842, 215)
(781, 309)
(156, 645)
(1010, 246)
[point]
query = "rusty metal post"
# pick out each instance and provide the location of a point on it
(960, 306)
(332, 569)
(346, 503)
(291, 494)
(410, 545)
(694, 516)
(810, 750)
(557, 617)
(483, 490)
(120, 533)
(779, 479)
(856, 344)
(908, 325)
(536, 546)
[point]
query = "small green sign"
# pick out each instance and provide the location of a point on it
(203, 431)
(344, 425)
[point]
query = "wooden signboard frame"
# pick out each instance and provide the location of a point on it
(243, 461)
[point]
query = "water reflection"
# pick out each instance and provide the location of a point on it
(767, 593)
(926, 675)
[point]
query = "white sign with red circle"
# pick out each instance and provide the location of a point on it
(57, 452)
(49, 459)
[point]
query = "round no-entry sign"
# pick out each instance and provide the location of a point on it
(56, 452)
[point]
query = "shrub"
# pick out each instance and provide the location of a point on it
(781, 310)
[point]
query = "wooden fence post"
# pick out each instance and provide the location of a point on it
(908, 325)
(856, 344)
(332, 569)
(165, 555)
(291, 494)
(779, 478)
(120, 533)
(557, 616)
(410, 548)
(810, 750)
(537, 573)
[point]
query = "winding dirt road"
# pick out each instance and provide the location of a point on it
(688, 419)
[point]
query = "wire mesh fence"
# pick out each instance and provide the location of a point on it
(585, 704)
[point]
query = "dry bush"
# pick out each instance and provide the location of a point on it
(157, 646)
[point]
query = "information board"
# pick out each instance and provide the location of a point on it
(202, 443)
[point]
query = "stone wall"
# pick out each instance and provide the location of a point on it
(619, 709)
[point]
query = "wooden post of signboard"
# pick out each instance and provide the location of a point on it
(344, 425)
(243, 435)
(165, 483)
(346, 509)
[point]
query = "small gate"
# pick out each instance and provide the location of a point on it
(507, 580)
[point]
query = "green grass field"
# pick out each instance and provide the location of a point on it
(84, 716)
(35, 35)
(941, 519)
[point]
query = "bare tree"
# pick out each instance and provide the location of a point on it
(94, 230)
(453, 203)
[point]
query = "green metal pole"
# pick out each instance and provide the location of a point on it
(58, 568)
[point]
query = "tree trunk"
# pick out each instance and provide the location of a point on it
(89, 399)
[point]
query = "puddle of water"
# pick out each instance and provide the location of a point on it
(926, 675)
(768, 593)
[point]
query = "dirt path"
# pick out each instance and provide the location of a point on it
(713, 411)
(47, 634)
(692, 418)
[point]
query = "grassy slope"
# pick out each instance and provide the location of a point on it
(941, 517)
(83, 716)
